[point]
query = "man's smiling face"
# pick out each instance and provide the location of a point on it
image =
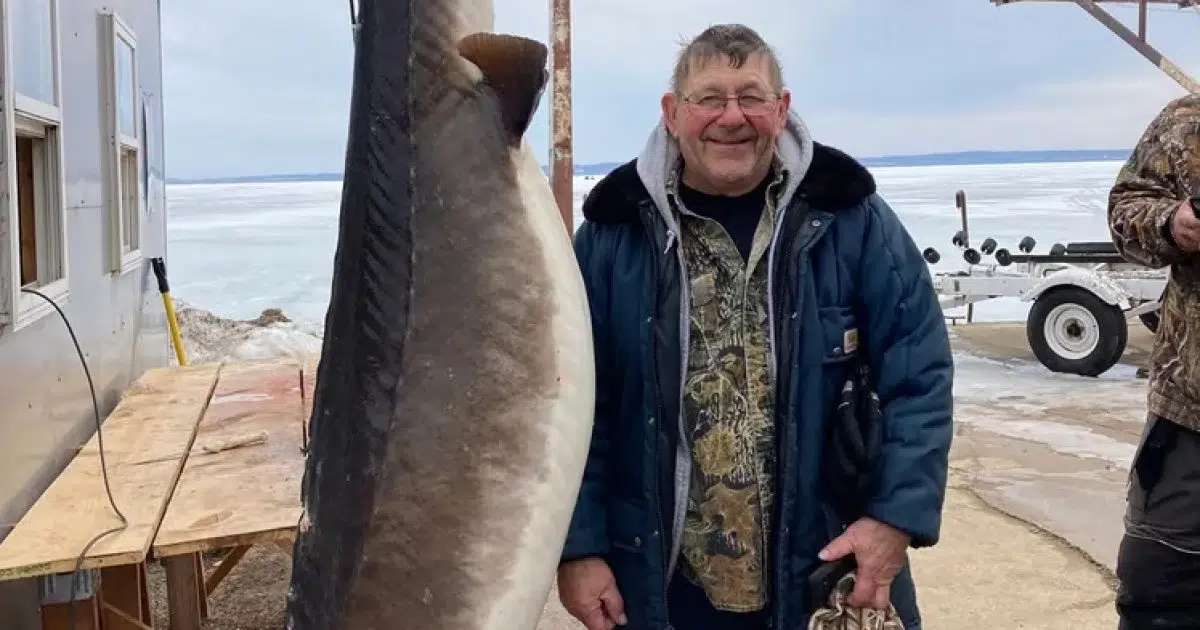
(726, 120)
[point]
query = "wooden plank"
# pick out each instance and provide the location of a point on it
(245, 494)
(85, 616)
(201, 594)
(227, 564)
(124, 597)
(183, 593)
(117, 619)
(145, 439)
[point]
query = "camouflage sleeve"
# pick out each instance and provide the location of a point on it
(1150, 186)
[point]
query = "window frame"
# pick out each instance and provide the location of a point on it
(23, 115)
(122, 215)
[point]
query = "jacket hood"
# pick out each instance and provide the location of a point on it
(828, 178)
(661, 155)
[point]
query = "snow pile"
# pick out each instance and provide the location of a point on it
(209, 338)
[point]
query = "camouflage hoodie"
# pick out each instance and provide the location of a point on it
(1163, 170)
(728, 403)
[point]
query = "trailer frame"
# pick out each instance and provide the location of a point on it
(1082, 293)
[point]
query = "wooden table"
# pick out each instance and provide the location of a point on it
(245, 495)
(199, 458)
(146, 438)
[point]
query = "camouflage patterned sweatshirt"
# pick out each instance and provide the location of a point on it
(729, 409)
(1163, 170)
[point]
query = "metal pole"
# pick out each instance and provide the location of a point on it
(1149, 52)
(561, 158)
(1135, 40)
(1142, 11)
(960, 201)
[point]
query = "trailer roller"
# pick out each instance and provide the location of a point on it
(1082, 295)
(959, 239)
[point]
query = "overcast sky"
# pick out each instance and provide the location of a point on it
(263, 87)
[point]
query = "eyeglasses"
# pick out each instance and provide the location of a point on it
(751, 104)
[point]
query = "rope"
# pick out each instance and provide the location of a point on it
(836, 615)
(355, 25)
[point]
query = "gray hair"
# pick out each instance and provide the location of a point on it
(735, 42)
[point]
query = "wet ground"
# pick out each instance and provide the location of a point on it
(1051, 449)
(1033, 509)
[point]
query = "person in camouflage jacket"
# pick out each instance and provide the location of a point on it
(1152, 214)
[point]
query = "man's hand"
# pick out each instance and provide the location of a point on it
(1185, 228)
(879, 550)
(588, 590)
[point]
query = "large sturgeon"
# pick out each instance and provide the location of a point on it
(454, 395)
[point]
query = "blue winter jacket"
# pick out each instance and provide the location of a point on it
(842, 264)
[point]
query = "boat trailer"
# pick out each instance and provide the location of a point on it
(1082, 294)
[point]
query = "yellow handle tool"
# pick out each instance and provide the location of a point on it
(164, 288)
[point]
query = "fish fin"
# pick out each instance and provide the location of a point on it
(515, 68)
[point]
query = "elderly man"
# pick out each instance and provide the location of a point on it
(1152, 212)
(738, 274)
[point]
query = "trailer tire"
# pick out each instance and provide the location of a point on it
(1072, 331)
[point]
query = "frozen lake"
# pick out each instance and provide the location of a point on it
(236, 249)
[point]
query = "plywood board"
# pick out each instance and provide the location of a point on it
(145, 439)
(247, 494)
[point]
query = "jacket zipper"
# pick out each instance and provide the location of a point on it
(781, 428)
(682, 452)
(808, 234)
(658, 397)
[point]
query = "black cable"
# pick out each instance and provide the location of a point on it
(103, 464)
(355, 27)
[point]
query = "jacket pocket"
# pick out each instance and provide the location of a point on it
(635, 570)
(839, 334)
(1164, 480)
(627, 527)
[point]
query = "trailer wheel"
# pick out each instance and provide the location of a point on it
(1072, 331)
